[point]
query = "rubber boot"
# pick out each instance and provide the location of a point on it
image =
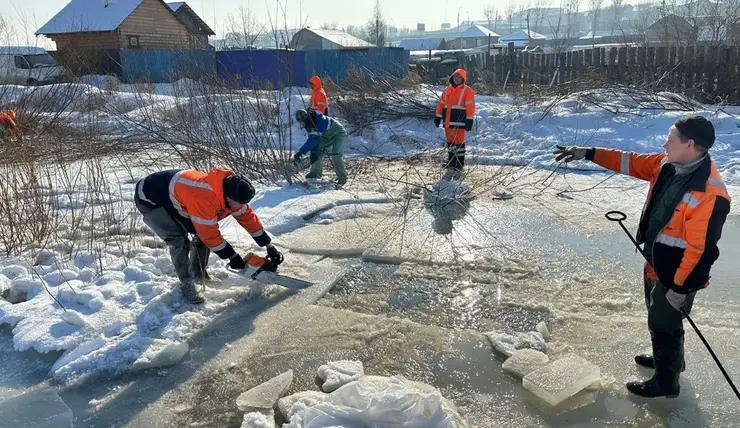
(667, 357)
(646, 360)
(190, 293)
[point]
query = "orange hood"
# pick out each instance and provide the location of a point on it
(317, 84)
(462, 73)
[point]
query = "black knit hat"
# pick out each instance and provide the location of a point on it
(238, 188)
(696, 128)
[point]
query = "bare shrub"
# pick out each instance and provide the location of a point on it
(208, 124)
(28, 212)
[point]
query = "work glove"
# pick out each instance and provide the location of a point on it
(437, 121)
(570, 153)
(675, 299)
(275, 256)
(237, 262)
(297, 159)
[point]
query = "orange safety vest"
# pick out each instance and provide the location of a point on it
(199, 197)
(318, 96)
(686, 247)
(456, 107)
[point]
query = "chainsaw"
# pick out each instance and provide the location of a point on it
(264, 270)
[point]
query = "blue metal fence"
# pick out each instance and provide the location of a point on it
(269, 69)
(335, 64)
(165, 66)
(263, 68)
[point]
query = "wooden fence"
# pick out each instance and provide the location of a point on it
(707, 73)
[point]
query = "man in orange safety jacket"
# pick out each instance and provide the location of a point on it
(318, 99)
(8, 125)
(178, 203)
(455, 111)
(681, 224)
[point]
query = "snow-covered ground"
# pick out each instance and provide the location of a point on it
(124, 312)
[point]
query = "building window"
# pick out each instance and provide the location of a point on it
(133, 42)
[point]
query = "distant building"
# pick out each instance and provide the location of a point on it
(311, 39)
(199, 30)
(671, 29)
(476, 35)
(434, 44)
(521, 39)
(124, 24)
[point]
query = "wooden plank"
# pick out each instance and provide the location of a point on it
(700, 56)
(569, 66)
(672, 60)
(733, 90)
(710, 70)
(588, 58)
(661, 65)
(688, 69)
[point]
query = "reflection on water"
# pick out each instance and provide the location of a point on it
(446, 201)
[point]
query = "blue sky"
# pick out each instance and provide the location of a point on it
(28, 15)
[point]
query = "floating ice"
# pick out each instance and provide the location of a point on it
(561, 379)
(338, 373)
(266, 395)
(508, 343)
(524, 361)
(37, 409)
(542, 329)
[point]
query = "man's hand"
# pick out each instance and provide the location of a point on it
(274, 255)
(237, 262)
(570, 153)
(437, 121)
(676, 300)
(297, 159)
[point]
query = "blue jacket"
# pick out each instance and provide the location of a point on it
(316, 128)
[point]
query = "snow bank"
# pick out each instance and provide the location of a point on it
(121, 320)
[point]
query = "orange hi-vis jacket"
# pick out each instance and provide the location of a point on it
(456, 109)
(686, 247)
(197, 200)
(318, 96)
(7, 121)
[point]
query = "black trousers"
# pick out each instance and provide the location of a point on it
(666, 331)
(455, 156)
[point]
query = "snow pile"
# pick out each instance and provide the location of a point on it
(128, 318)
(376, 401)
(338, 373)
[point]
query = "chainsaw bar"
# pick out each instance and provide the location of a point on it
(269, 277)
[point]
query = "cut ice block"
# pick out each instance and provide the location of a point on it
(266, 395)
(524, 361)
(38, 409)
(561, 379)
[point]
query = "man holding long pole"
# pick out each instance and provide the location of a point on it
(681, 224)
